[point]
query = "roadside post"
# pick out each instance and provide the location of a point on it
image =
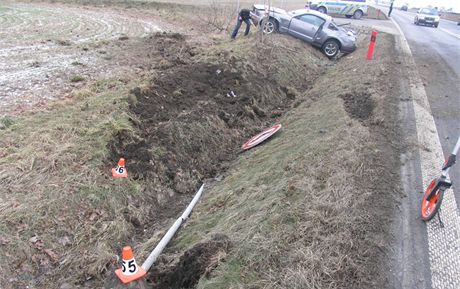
(370, 52)
(237, 8)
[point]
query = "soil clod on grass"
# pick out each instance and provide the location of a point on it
(358, 105)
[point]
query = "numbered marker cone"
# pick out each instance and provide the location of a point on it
(129, 270)
(120, 171)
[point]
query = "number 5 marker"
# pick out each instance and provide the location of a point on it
(129, 270)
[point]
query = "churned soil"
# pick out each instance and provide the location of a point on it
(358, 104)
(194, 116)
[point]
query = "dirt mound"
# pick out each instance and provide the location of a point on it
(358, 105)
(194, 117)
(194, 263)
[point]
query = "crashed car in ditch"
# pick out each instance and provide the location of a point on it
(308, 25)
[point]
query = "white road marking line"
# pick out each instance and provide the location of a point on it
(443, 243)
(448, 32)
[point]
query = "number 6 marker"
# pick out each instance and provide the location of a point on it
(120, 171)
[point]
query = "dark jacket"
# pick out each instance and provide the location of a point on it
(245, 14)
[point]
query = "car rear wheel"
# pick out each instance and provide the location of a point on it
(358, 14)
(322, 10)
(331, 48)
(436, 25)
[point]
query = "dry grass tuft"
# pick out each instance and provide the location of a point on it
(219, 16)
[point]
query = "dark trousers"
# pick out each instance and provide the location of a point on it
(238, 25)
(391, 9)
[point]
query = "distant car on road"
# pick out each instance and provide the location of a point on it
(404, 7)
(427, 16)
(308, 25)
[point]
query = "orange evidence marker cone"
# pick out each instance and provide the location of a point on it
(120, 171)
(129, 270)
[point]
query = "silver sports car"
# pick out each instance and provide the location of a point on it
(311, 26)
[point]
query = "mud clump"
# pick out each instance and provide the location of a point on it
(193, 264)
(358, 105)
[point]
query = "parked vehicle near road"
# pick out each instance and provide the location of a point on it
(404, 7)
(348, 8)
(308, 25)
(427, 16)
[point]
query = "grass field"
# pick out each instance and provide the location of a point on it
(451, 16)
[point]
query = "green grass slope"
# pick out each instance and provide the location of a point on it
(310, 208)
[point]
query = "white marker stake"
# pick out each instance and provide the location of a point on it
(168, 236)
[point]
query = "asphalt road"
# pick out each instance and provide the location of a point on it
(436, 53)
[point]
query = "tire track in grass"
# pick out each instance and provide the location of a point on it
(41, 41)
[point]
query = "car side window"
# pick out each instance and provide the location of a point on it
(311, 19)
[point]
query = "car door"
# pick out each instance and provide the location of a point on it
(305, 26)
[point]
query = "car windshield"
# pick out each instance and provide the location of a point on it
(429, 11)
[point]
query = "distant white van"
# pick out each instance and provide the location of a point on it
(349, 8)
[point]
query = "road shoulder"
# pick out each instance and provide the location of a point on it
(442, 242)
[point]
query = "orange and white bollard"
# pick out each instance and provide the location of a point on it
(370, 52)
(129, 270)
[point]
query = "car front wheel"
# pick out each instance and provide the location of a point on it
(322, 10)
(331, 48)
(270, 26)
